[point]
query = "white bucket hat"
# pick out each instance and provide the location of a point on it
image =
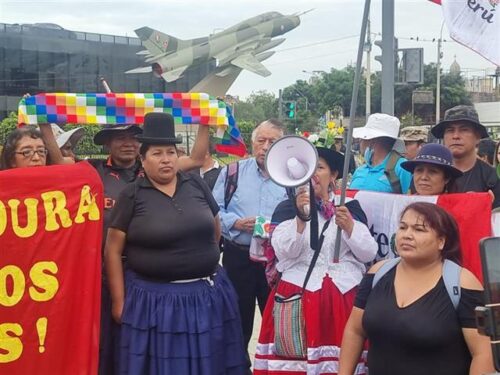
(381, 125)
(73, 135)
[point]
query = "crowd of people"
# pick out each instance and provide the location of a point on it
(170, 306)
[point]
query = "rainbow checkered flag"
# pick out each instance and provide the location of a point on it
(130, 108)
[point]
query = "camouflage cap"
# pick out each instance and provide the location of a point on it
(414, 133)
(456, 114)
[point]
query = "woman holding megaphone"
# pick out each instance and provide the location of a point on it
(304, 319)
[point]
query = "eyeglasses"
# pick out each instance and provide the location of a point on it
(42, 152)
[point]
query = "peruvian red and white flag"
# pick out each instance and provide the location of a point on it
(472, 211)
(475, 24)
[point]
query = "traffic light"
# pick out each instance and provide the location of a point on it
(385, 55)
(290, 109)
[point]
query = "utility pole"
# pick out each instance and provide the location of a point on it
(438, 76)
(388, 57)
(368, 48)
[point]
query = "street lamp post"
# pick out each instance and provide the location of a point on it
(368, 48)
(438, 75)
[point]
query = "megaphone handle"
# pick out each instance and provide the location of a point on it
(314, 240)
(307, 209)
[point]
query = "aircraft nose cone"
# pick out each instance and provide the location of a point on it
(295, 21)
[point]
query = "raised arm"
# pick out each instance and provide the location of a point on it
(55, 154)
(200, 149)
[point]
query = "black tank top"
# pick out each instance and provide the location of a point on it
(422, 338)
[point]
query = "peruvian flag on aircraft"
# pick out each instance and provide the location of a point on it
(475, 24)
(472, 211)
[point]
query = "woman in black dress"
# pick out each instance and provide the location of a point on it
(408, 317)
(177, 309)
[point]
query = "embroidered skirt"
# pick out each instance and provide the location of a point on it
(326, 312)
(181, 328)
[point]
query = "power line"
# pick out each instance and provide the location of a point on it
(318, 43)
(311, 57)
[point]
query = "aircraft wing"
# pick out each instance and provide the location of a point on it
(175, 74)
(250, 62)
(144, 69)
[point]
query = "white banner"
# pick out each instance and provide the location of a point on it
(383, 211)
(475, 24)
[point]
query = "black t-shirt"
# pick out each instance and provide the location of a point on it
(168, 238)
(114, 179)
(480, 178)
(422, 338)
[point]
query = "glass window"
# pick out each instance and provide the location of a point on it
(13, 28)
(121, 39)
(32, 71)
(107, 38)
(93, 37)
(134, 41)
(79, 35)
(13, 75)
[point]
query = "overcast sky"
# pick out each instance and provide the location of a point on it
(327, 37)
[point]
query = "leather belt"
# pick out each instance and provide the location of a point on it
(237, 245)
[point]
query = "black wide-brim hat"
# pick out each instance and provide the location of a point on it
(435, 154)
(460, 113)
(103, 136)
(159, 129)
(334, 159)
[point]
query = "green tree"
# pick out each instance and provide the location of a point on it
(246, 129)
(259, 106)
(335, 89)
(86, 146)
(7, 125)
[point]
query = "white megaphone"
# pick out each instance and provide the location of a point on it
(291, 161)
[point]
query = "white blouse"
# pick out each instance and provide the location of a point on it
(294, 254)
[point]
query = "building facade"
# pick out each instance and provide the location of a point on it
(37, 58)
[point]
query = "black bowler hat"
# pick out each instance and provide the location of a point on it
(104, 135)
(436, 154)
(460, 113)
(159, 129)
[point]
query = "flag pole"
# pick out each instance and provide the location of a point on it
(352, 115)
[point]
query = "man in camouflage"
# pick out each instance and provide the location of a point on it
(414, 138)
(461, 131)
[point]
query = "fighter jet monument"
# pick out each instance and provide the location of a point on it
(242, 46)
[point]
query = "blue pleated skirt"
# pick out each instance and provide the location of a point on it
(181, 328)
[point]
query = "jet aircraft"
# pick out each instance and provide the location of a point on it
(242, 46)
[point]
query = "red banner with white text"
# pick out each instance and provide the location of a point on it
(50, 270)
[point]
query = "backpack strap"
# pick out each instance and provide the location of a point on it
(386, 267)
(451, 278)
(390, 172)
(231, 182)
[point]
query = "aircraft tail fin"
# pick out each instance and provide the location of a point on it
(157, 42)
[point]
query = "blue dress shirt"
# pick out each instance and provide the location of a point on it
(255, 195)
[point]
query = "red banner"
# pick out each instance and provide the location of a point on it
(472, 212)
(50, 270)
